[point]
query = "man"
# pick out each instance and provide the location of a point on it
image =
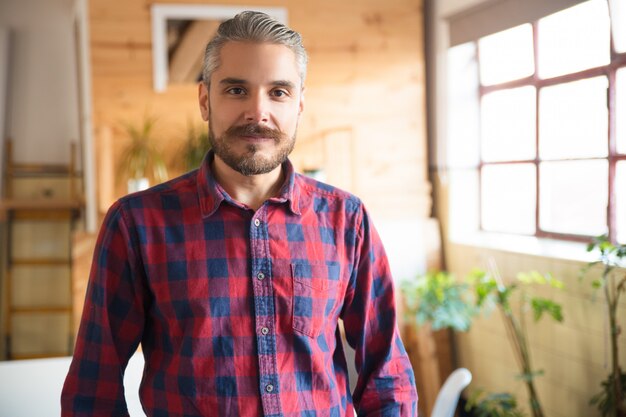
(233, 277)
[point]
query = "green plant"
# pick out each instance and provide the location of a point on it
(491, 290)
(439, 299)
(499, 404)
(141, 157)
(195, 147)
(611, 401)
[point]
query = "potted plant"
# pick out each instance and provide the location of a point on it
(439, 300)
(141, 160)
(433, 302)
(195, 147)
(492, 290)
(499, 404)
(611, 401)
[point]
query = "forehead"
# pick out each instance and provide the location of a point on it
(257, 62)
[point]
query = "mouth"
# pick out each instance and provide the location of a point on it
(256, 138)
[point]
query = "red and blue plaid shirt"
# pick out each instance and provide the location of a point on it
(237, 310)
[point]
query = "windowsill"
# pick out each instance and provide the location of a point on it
(528, 245)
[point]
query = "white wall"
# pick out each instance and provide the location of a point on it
(42, 94)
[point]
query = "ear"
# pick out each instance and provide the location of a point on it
(203, 101)
(301, 105)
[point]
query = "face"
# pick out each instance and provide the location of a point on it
(253, 105)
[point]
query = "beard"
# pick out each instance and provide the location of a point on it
(251, 162)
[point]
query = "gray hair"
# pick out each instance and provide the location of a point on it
(252, 26)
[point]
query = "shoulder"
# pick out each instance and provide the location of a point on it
(182, 187)
(317, 192)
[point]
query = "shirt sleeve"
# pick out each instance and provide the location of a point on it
(386, 383)
(111, 325)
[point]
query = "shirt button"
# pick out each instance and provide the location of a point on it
(264, 330)
(257, 222)
(269, 388)
(261, 276)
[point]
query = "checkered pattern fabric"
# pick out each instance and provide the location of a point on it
(237, 310)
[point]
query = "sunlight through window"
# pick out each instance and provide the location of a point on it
(573, 119)
(574, 39)
(618, 16)
(620, 201)
(508, 198)
(549, 125)
(620, 110)
(506, 55)
(573, 197)
(508, 125)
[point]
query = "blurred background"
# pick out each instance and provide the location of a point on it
(485, 134)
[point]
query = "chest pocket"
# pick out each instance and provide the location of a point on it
(316, 288)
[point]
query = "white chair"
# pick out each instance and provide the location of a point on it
(32, 387)
(448, 397)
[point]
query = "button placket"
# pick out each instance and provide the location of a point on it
(261, 275)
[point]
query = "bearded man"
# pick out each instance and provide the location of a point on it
(234, 277)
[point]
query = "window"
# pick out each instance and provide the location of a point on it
(550, 99)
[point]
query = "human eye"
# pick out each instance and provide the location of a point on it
(279, 93)
(236, 91)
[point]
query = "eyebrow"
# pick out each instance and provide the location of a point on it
(284, 83)
(277, 83)
(230, 81)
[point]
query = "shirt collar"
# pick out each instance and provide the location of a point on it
(211, 194)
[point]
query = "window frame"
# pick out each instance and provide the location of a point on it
(617, 61)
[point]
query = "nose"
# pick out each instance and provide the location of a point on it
(257, 109)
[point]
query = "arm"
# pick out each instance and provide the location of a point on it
(386, 385)
(111, 325)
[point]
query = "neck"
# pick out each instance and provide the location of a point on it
(251, 190)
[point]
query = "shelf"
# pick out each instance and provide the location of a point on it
(48, 193)
(40, 309)
(20, 356)
(40, 204)
(42, 210)
(43, 170)
(40, 262)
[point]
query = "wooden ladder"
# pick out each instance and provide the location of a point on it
(59, 204)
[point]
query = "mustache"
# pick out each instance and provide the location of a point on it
(255, 130)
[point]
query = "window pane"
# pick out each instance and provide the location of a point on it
(508, 125)
(620, 110)
(508, 198)
(506, 55)
(463, 119)
(618, 16)
(620, 200)
(573, 120)
(574, 39)
(573, 197)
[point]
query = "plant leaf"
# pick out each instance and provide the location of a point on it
(544, 305)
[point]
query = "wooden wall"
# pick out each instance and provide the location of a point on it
(364, 121)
